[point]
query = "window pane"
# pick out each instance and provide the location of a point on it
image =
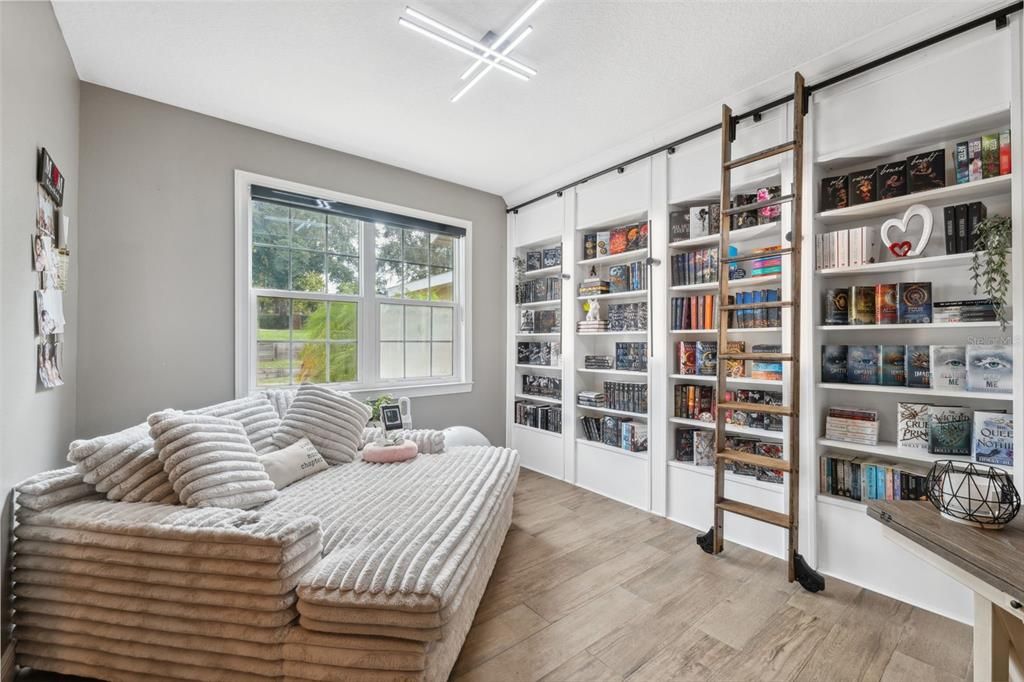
(417, 323)
(389, 242)
(417, 359)
(307, 271)
(269, 267)
(391, 361)
(343, 235)
(416, 283)
(416, 247)
(442, 250)
(344, 363)
(309, 320)
(389, 278)
(344, 321)
(391, 323)
(269, 224)
(309, 363)
(272, 366)
(441, 359)
(440, 284)
(309, 229)
(342, 275)
(272, 319)
(442, 324)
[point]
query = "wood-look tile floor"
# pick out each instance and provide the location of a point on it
(587, 589)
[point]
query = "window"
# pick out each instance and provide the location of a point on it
(337, 290)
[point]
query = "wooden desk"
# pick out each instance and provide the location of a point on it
(989, 562)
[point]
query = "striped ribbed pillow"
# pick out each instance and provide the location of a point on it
(256, 413)
(123, 466)
(281, 399)
(210, 461)
(332, 421)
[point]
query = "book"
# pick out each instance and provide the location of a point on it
(686, 357)
(862, 186)
(834, 364)
(1004, 153)
(949, 368)
(618, 278)
(993, 438)
(919, 373)
(974, 153)
(547, 321)
(976, 212)
(589, 246)
(631, 356)
(962, 163)
(699, 222)
(761, 369)
(617, 240)
(893, 365)
(862, 365)
(773, 450)
(837, 306)
(892, 179)
(989, 368)
(949, 225)
(679, 226)
(912, 426)
(835, 193)
(735, 368)
(552, 257)
(534, 260)
(887, 308)
(990, 155)
(526, 321)
(636, 237)
(915, 301)
(862, 304)
(960, 213)
(704, 447)
(707, 358)
(604, 243)
(949, 430)
(926, 171)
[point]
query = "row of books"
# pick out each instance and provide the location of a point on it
(695, 267)
(865, 478)
(705, 219)
(847, 248)
(968, 310)
(694, 312)
(959, 224)
(540, 321)
(631, 356)
(545, 417)
(627, 317)
(697, 446)
(597, 362)
(546, 258)
(538, 290)
(701, 358)
(614, 241)
(694, 402)
(541, 353)
(542, 386)
(626, 397)
(902, 303)
(621, 278)
(852, 425)
(986, 156)
(755, 317)
(620, 432)
(753, 419)
(983, 368)
(984, 435)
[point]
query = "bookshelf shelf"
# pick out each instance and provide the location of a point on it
(548, 368)
(890, 451)
(613, 333)
(637, 293)
(539, 335)
(751, 330)
(899, 327)
(608, 410)
(738, 381)
(614, 258)
(903, 265)
(628, 218)
(745, 234)
(730, 476)
(745, 283)
(615, 372)
(551, 270)
(729, 428)
(534, 429)
(909, 390)
(538, 398)
(951, 194)
(541, 304)
(842, 502)
(611, 448)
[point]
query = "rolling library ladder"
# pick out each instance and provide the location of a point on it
(712, 541)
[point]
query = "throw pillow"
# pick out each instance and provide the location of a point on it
(123, 466)
(210, 461)
(281, 399)
(295, 462)
(333, 422)
(385, 454)
(256, 413)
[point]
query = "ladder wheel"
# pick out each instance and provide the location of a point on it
(809, 579)
(706, 541)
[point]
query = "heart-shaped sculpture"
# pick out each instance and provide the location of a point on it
(904, 249)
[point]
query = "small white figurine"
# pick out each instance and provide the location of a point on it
(593, 310)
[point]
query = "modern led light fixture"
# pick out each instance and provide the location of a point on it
(486, 56)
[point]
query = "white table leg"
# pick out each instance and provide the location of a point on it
(991, 643)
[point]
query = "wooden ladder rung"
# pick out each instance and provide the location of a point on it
(752, 512)
(764, 357)
(752, 256)
(763, 154)
(758, 205)
(757, 306)
(784, 410)
(754, 460)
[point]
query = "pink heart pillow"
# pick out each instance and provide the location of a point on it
(382, 454)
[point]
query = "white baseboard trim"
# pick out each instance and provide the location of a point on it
(7, 667)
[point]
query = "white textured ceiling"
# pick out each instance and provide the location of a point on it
(345, 75)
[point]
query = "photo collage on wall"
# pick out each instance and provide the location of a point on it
(50, 258)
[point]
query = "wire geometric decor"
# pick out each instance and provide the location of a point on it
(974, 494)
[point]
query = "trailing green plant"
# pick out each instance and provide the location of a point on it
(519, 264)
(375, 404)
(990, 266)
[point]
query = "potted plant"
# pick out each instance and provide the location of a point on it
(990, 266)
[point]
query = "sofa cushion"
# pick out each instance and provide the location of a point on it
(293, 463)
(333, 422)
(281, 399)
(123, 466)
(210, 461)
(256, 413)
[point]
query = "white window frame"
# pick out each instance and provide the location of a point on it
(369, 302)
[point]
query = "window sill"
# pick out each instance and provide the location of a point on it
(397, 390)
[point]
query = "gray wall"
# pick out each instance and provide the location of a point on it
(39, 108)
(157, 235)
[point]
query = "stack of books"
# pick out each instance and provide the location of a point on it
(584, 326)
(752, 445)
(769, 264)
(766, 370)
(590, 399)
(594, 287)
(974, 310)
(852, 425)
(597, 362)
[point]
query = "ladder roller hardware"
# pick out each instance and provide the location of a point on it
(712, 541)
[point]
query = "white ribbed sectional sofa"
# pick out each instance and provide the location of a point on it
(360, 572)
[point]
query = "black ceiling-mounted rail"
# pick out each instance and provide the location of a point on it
(1000, 17)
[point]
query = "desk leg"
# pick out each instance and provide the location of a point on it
(991, 643)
